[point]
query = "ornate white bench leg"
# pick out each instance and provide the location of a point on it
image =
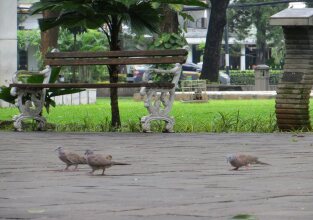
(159, 102)
(17, 121)
(158, 105)
(30, 102)
(30, 109)
(146, 120)
(169, 128)
(145, 124)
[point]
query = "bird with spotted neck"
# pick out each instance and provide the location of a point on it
(99, 161)
(240, 160)
(70, 158)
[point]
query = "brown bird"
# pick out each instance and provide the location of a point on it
(241, 160)
(100, 162)
(70, 158)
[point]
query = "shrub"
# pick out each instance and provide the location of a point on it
(246, 77)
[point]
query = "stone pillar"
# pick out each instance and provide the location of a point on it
(262, 76)
(8, 42)
(293, 90)
(243, 57)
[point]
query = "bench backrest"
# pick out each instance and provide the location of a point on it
(116, 57)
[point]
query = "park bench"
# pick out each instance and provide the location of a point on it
(158, 96)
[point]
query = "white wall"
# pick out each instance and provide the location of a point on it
(8, 41)
(197, 15)
(89, 96)
(31, 59)
(31, 22)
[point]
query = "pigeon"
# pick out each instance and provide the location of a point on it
(100, 162)
(241, 160)
(70, 158)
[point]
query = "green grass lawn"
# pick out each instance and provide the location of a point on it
(214, 116)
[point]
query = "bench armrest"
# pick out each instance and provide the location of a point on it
(175, 71)
(46, 73)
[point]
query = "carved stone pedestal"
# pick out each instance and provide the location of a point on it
(30, 102)
(293, 90)
(159, 102)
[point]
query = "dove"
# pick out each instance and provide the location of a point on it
(241, 160)
(70, 158)
(100, 162)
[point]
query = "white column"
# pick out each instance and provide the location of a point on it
(243, 57)
(189, 56)
(8, 42)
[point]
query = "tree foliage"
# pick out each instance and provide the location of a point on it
(254, 21)
(309, 4)
(90, 40)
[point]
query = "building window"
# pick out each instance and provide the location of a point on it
(22, 60)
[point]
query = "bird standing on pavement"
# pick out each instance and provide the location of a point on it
(70, 158)
(241, 160)
(100, 162)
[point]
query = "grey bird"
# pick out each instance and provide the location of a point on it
(100, 162)
(70, 158)
(240, 160)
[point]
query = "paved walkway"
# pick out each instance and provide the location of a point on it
(172, 176)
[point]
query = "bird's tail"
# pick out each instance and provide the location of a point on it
(262, 163)
(118, 163)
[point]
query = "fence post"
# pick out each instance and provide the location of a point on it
(261, 76)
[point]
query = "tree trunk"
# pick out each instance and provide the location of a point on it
(115, 113)
(261, 44)
(169, 22)
(113, 71)
(49, 38)
(211, 57)
(261, 55)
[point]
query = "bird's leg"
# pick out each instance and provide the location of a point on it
(236, 168)
(91, 172)
(103, 172)
(75, 169)
(66, 168)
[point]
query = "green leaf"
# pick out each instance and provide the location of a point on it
(52, 103)
(47, 105)
(167, 45)
(34, 79)
(6, 96)
(186, 16)
(166, 37)
(172, 41)
(54, 74)
(174, 35)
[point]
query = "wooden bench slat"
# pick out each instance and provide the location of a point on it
(165, 85)
(114, 61)
(147, 53)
